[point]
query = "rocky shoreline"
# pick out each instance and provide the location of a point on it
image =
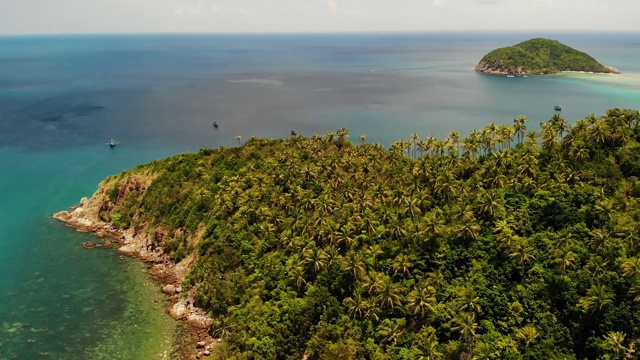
(486, 68)
(85, 218)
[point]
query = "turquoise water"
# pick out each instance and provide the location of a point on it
(63, 97)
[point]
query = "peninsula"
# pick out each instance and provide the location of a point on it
(537, 57)
(509, 243)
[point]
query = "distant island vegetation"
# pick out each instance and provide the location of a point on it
(506, 244)
(539, 56)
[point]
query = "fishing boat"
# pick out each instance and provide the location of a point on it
(112, 143)
(557, 108)
(293, 133)
(215, 124)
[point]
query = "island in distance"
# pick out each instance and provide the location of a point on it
(539, 56)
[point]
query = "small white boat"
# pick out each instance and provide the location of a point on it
(510, 76)
(112, 143)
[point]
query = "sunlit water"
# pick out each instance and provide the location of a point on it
(63, 98)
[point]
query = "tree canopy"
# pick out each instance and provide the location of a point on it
(505, 244)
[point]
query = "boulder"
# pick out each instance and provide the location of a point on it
(201, 344)
(178, 311)
(199, 321)
(169, 289)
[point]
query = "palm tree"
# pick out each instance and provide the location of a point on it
(343, 136)
(421, 299)
(485, 351)
(414, 137)
(315, 258)
(297, 274)
(601, 239)
(356, 305)
(239, 138)
(468, 300)
(614, 340)
(362, 138)
(465, 325)
(402, 263)
(527, 334)
(392, 330)
(564, 257)
(631, 268)
(597, 298)
(352, 262)
(425, 346)
(597, 265)
(522, 252)
(520, 127)
(389, 294)
(468, 229)
(222, 327)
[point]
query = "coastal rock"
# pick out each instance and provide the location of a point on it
(199, 321)
(94, 215)
(201, 344)
(169, 289)
(178, 311)
(127, 250)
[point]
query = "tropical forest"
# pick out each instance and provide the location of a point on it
(517, 241)
(539, 56)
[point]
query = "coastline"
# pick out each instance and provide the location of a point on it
(85, 218)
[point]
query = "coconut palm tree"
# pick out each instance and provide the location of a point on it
(389, 294)
(465, 325)
(425, 347)
(614, 340)
(564, 258)
(631, 268)
(468, 300)
(421, 299)
(527, 335)
(356, 305)
(598, 296)
(392, 330)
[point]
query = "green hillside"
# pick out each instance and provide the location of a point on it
(538, 56)
(506, 244)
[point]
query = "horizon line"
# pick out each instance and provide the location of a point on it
(348, 32)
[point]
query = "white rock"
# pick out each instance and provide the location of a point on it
(178, 311)
(169, 289)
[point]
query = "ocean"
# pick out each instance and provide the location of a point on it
(63, 97)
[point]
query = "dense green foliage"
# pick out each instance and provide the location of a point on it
(541, 56)
(507, 244)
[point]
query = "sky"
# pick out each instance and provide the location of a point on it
(234, 16)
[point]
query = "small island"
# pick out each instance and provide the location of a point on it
(539, 56)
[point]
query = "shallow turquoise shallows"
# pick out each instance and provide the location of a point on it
(62, 98)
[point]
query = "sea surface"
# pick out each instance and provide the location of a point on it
(63, 97)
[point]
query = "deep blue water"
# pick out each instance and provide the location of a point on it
(63, 97)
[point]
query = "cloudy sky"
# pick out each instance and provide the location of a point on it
(134, 16)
